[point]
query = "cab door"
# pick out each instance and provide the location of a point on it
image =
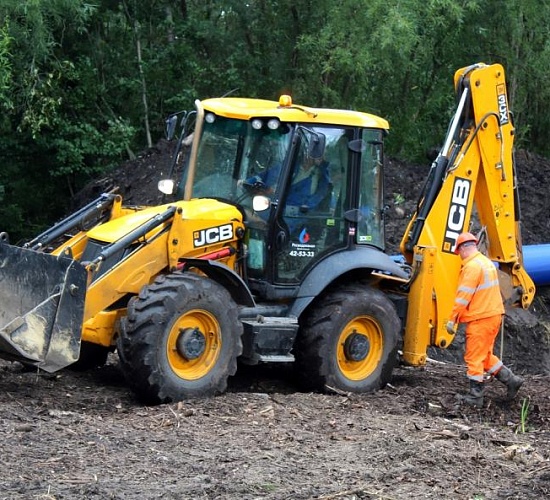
(310, 220)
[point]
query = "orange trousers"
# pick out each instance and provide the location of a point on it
(480, 340)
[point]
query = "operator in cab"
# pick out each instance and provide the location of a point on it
(309, 186)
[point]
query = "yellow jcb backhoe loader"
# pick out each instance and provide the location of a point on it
(272, 251)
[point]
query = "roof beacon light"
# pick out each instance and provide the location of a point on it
(285, 101)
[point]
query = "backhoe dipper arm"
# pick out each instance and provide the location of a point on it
(474, 174)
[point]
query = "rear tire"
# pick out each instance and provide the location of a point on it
(348, 341)
(180, 340)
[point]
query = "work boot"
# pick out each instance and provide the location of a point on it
(513, 382)
(475, 396)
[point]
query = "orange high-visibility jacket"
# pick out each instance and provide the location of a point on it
(478, 295)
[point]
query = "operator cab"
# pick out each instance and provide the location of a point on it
(309, 185)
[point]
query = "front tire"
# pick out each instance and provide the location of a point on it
(348, 341)
(181, 339)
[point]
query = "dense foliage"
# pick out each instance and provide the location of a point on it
(82, 85)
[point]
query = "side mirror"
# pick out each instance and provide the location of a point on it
(316, 146)
(353, 215)
(359, 145)
(315, 142)
(171, 123)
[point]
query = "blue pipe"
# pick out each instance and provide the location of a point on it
(536, 259)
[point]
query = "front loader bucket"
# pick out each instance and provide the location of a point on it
(41, 307)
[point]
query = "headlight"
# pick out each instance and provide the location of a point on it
(273, 124)
(166, 186)
(257, 124)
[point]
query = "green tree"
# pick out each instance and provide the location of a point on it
(524, 50)
(51, 132)
(82, 86)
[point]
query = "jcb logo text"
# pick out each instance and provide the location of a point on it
(502, 104)
(457, 213)
(212, 235)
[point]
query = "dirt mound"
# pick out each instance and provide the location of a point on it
(526, 341)
(404, 182)
(136, 180)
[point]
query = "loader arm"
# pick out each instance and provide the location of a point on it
(471, 181)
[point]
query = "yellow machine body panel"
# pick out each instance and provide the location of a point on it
(245, 109)
(199, 227)
(477, 174)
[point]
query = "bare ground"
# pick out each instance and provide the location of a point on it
(82, 435)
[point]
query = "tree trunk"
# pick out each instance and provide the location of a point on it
(143, 87)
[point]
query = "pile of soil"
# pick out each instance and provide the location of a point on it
(404, 182)
(82, 435)
(136, 180)
(527, 334)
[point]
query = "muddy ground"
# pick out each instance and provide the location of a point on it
(82, 435)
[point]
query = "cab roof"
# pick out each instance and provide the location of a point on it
(246, 109)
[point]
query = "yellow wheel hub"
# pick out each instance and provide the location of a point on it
(360, 348)
(194, 344)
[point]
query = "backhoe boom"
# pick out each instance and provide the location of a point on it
(471, 184)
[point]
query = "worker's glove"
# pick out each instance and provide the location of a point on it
(450, 326)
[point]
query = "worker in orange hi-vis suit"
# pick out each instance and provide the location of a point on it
(478, 303)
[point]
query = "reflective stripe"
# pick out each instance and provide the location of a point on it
(478, 353)
(495, 368)
(487, 284)
(478, 294)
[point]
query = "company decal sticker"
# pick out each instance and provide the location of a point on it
(502, 104)
(212, 235)
(302, 248)
(456, 216)
(364, 238)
